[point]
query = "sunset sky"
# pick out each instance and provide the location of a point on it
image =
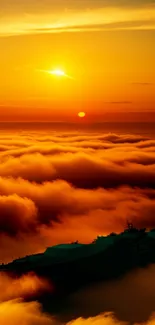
(107, 47)
(82, 63)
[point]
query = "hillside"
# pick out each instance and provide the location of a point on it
(71, 266)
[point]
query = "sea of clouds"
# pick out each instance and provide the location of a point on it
(60, 187)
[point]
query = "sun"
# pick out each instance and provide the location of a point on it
(59, 73)
(81, 114)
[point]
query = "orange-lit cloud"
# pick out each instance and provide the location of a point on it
(51, 184)
(13, 291)
(27, 286)
(22, 313)
(31, 314)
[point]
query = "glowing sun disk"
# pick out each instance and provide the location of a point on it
(57, 72)
(81, 114)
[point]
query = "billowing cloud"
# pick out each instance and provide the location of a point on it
(51, 184)
(23, 313)
(108, 160)
(27, 286)
(13, 291)
(16, 213)
(31, 314)
(110, 169)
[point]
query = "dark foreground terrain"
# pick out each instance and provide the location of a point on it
(71, 266)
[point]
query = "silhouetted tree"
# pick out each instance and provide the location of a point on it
(112, 234)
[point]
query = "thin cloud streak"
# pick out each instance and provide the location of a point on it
(103, 19)
(143, 84)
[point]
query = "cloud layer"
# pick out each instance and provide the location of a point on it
(63, 186)
(117, 302)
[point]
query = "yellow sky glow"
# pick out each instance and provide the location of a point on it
(108, 18)
(101, 60)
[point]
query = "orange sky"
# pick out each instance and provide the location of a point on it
(108, 47)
